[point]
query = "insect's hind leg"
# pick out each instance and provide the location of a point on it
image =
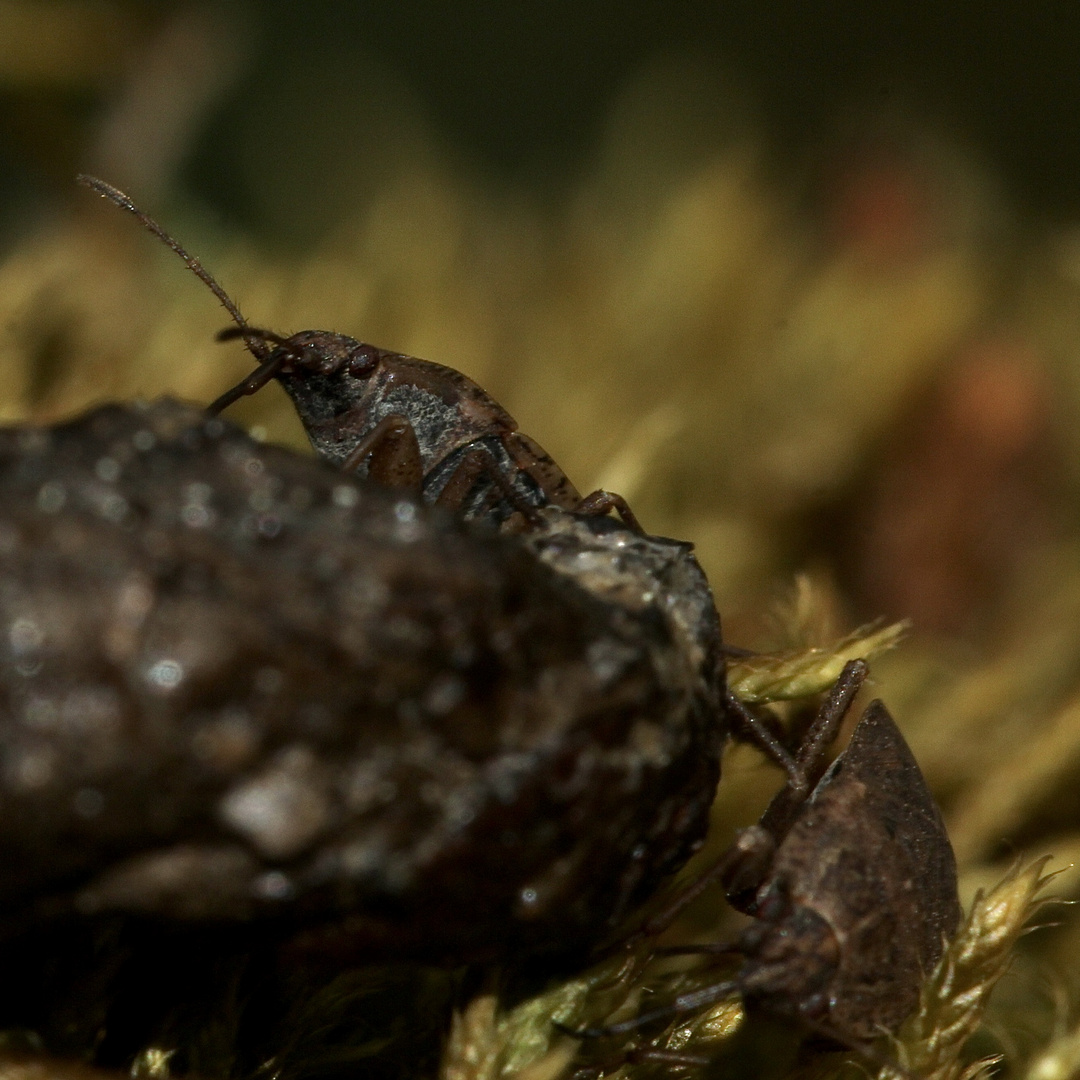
(478, 462)
(744, 864)
(601, 502)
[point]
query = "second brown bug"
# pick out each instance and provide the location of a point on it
(852, 889)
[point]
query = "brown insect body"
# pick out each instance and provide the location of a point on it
(462, 439)
(860, 895)
(851, 884)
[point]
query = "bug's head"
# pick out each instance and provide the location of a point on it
(314, 366)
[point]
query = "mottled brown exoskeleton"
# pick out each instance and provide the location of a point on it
(852, 889)
(402, 421)
(416, 425)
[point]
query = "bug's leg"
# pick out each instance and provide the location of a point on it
(707, 948)
(251, 385)
(810, 757)
(602, 502)
(395, 455)
(742, 867)
(634, 1057)
(807, 760)
(736, 652)
(269, 364)
(749, 728)
(667, 1057)
(684, 1003)
(746, 860)
(826, 725)
(478, 462)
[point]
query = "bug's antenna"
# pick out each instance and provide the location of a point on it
(256, 344)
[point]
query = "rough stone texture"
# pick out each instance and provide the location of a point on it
(238, 686)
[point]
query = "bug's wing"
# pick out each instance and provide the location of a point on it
(898, 798)
(869, 855)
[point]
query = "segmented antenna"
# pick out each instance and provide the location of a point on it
(255, 341)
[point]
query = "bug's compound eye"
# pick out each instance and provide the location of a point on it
(362, 361)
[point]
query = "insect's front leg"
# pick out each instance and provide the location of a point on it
(394, 452)
(745, 864)
(802, 765)
(811, 755)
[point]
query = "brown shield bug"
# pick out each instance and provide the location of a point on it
(859, 896)
(852, 889)
(402, 421)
